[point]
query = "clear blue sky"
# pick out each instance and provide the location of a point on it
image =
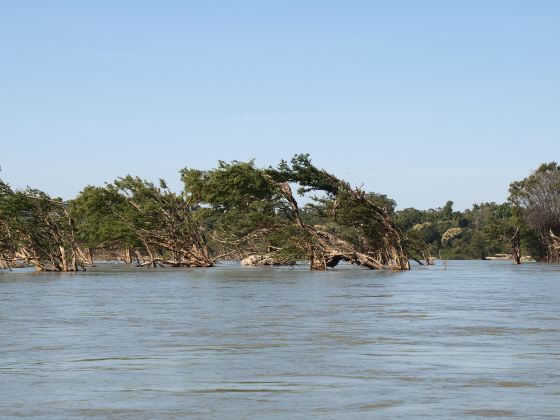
(422, 100)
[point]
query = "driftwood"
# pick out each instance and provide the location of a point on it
(265, 259)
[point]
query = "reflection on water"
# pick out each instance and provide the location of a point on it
(480, 339)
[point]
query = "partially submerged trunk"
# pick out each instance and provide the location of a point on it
(5, 263)
(127, 257)
(151, 260)
(428, 257)
(51, 261)
(552, 243)
(181, 257)
(63, 266)
(515, 243)
(89, 256)
(54, 247)
(170, 236)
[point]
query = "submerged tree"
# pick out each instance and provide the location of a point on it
(366, 233)
(238, 210)
(95, 211)
(244, 210)
(501, 227)
(8, 245)
(537, 199)
(164, 223)
(254, 210)
(38, 230)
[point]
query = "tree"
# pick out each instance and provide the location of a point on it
(95, 211)
(537, 199)
(367, 234)
(166, 224)
(501, 229)
(245, 210)
(7, 241)
(254, 210)
(38, 230)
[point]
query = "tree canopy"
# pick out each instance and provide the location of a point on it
(537, 199)
(238, 210)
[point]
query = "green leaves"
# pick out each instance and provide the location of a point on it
(230, 186)
(99, 213)
(537, 202)
(37, 229)
(238, 208)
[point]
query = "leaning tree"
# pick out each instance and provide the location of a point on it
(253, 210)
(364, 234)
(164, 223)
(102, 223)
(244, 211)
(7, 241)
(38, 230)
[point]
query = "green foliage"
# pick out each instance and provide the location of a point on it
(239, 201)
(537, 202)
(234, 185)
(238, 208)
(37, 229)
(481, 231)
(7, 242)
(95, 211)
(308, 176)
(162, 221)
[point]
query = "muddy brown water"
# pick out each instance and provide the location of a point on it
(477, 340)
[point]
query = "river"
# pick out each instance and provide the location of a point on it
(478, 339)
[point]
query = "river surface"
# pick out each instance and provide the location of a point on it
(477, 340)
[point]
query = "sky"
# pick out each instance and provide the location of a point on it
(425, 101)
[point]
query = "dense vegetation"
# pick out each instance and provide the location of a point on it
(241, 211)
(529, 223)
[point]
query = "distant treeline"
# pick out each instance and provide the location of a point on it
(527, 224)
(240, 211)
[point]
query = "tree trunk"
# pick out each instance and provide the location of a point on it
(63, 262)
(30, 258)
(74, 261)
(151, 258)
(515, 243)
(553, 247)
(428, 257)
(89, 256)
(127, 257)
